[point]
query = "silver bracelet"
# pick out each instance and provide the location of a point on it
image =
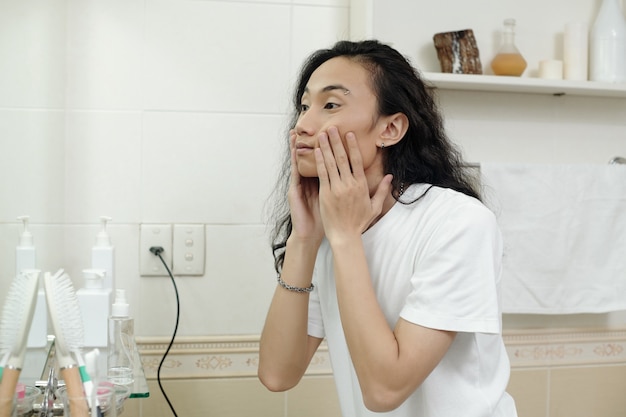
(292, 288)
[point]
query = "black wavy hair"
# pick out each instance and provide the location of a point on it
(424, 155)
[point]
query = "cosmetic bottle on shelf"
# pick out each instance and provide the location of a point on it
(508, 60)
(607, 44)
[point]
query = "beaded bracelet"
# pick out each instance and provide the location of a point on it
(292, 288)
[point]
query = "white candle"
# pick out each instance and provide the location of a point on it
(575, 51)
(551, 69)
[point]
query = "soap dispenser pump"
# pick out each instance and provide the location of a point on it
(103, 254)
(26, 261)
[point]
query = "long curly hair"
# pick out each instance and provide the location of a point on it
(424, 155)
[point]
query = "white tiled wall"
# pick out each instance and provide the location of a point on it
(153, 111)
(173, 111)
(32, 51)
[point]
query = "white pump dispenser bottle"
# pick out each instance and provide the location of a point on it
(95, 306)
(26, 260)
(25, 253)
(103, 254)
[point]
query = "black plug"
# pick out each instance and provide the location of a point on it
(156, 250)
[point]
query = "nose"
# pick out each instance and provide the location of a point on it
(305, 125)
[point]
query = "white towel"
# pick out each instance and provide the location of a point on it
(564, 230)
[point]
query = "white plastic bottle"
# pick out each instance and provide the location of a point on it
(25, 253)
(607, 44)
(121, 352)
(95, 307)
(103, 254)
(26, 260)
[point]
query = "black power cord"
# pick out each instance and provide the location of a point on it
(157, 250)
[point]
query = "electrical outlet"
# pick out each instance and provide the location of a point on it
(155, 235)
(189, 247)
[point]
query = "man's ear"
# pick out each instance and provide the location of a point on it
(394, 129)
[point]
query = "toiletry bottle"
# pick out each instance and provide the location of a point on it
(508, 60)
(95, 308)
(607, 44)
(25, 254)
(103, 254)
(121, 351)
(25, 260)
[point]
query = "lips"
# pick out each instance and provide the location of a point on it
(304, 149)
(303, 146)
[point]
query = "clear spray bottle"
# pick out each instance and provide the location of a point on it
(120, 363)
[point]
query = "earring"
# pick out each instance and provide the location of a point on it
(382, 145)
(401, 191)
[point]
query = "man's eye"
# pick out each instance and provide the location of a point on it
(331, 106)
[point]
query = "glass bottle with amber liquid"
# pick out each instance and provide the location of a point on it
(509, 60)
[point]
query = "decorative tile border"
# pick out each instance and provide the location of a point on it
(567, 347)
(237, 356)
(212, 357)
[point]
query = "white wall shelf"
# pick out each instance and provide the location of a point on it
(494, 83)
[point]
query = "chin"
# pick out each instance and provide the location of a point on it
(307, 173)
(307, 170)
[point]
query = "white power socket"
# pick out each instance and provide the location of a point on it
(155, 235)
(189, 247)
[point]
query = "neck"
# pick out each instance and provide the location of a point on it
(387, 205)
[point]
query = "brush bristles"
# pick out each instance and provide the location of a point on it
(16, 311)
(13, 309)
(68, 312)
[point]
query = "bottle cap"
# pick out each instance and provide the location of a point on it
(120, 306)
(26, 238)
(102, 239)
(94, 278)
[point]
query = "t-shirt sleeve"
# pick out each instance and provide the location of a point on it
(455, 284)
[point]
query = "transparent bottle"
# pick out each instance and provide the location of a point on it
(121, 349)
(508, 60)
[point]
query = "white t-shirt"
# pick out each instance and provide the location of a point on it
(435, 263)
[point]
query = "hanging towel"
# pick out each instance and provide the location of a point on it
(564, 231)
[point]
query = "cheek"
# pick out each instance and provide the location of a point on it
(369, 151)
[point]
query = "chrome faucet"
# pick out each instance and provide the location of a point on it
(49, 395)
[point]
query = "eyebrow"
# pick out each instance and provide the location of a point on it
(331, 87)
